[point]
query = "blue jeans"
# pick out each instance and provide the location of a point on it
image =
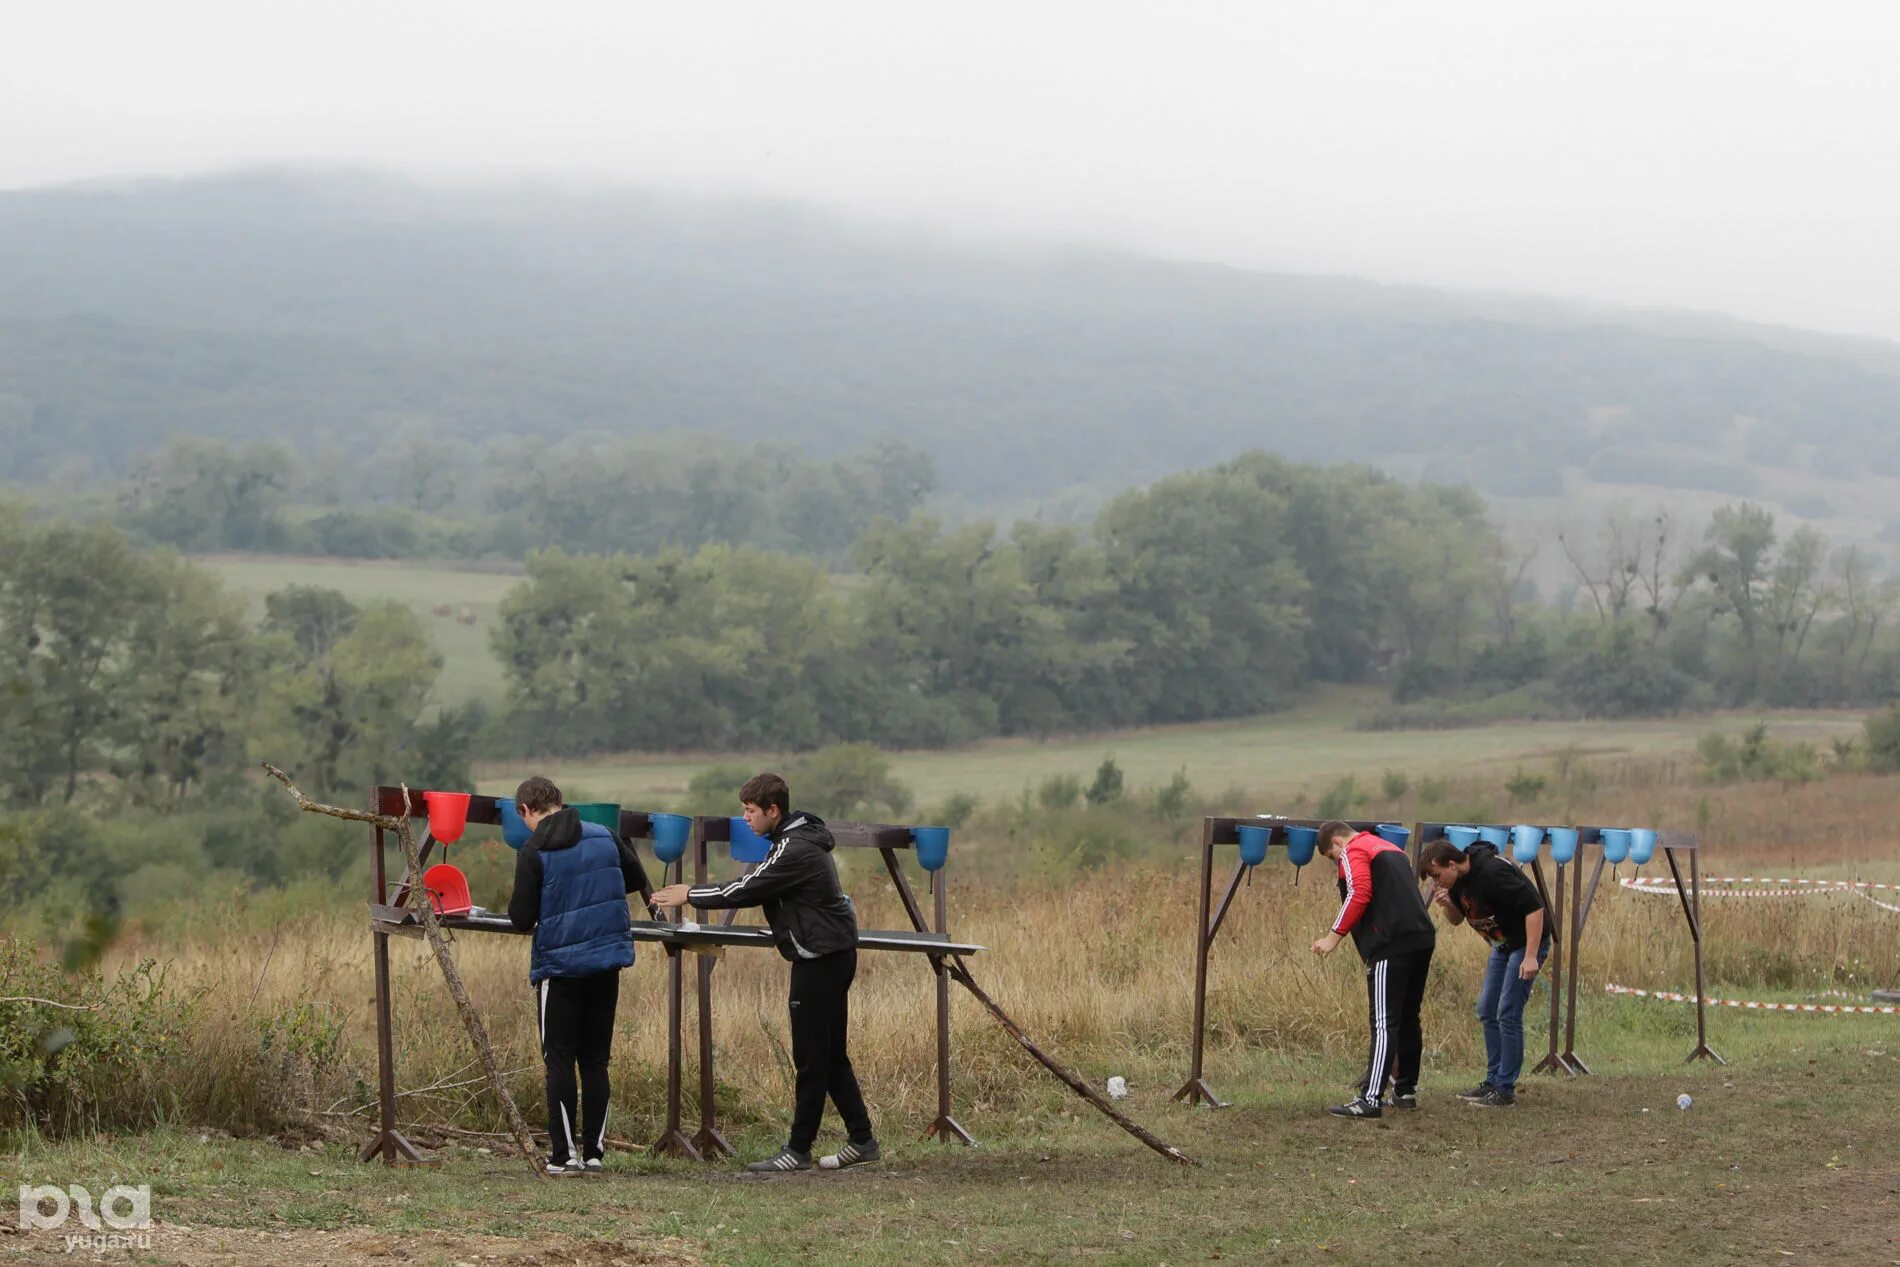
(1501, 1001)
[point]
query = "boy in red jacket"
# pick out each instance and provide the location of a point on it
(1381, 908)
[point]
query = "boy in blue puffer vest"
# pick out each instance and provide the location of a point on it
(571, 884)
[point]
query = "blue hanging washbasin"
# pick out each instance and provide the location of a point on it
(1461, 838)
(1498, 836)
(670, 834)
(933, 846)
(1393, 833)
(1563, 844)
(513, 830)
(1301, 842)
(1616, 844)
(1524, 841)
(1642, 845)
(1253, 844)
(748, 845)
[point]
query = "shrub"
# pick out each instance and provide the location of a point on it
(98, 1061)
(957, 809)
(849, 780)
(1395, 784)
(1108, 783)
(1171, 801)
(1059, 791)
(1525, 787)
(1338, 800)
(1881, 742)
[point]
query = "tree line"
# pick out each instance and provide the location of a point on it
(421, 493)
(1214, 594)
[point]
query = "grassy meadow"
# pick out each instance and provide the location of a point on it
(469, 671)
(247, 1114)
(1280, 755)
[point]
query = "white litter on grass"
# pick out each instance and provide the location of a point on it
(1118, 1088)
(687, 926)
(1683, 1101)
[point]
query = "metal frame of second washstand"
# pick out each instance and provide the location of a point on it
(887, 839)
(1569, 928)
(1226, 831)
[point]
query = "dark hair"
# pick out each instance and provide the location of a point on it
(765, 791)
(538, 794)
(1437, 853)
(1328, 831)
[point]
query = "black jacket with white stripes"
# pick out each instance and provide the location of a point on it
(797, 887)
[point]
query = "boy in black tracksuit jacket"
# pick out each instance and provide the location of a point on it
(1390, 928)
(816, 929)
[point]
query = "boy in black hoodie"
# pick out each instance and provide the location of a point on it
(816, 929)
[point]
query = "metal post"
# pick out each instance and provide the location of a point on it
(1702, 1048)
(946, 1126)
(388, 1141)
(1580, 904)
(1553, 921)
(707, 1140)
(673, 1141)
(1195, 1090)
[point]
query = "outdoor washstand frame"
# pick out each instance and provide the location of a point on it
(707, 1142)
(1225, 831)
(388, 919)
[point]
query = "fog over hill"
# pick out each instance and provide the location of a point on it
(307, 305)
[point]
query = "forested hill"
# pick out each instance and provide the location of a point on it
(298, 305)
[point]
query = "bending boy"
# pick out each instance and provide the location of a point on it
(1480, 888)
(571, 885)
(815, 928)
(1380, 907)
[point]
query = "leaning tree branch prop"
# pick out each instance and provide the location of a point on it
(1080, 1087)
(425, 912)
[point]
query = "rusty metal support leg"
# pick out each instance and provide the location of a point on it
(673, 1141)
(1195, 1090)
(1692, 907)
(945, 1127)
(1580, 903)
(388, 1142)
(1554, 924)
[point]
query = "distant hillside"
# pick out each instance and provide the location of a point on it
(334, 306)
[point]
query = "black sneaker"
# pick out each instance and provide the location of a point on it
(1478, 1092)
(563, 1169)
(787, 1159)
(594, 1166)
(1497, 1099)
(1356, 1108)
(853, 1154)
(1407, 1101)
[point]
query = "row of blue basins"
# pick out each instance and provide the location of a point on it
(1634, 844)
(672, 831)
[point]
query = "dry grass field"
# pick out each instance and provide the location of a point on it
(1785, 1157)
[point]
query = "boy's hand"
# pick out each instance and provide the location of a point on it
(1324, 946)
(1441, 896)
(671, 896)
(1528, 968)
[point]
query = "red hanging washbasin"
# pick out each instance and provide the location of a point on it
(448, 815)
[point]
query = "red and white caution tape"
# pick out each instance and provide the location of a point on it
(1751, 1005)
(1727, 886)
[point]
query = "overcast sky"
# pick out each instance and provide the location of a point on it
(1726, 155)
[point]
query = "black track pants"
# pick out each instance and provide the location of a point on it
(820, 1008)
(1395, 990)
(577, 1028)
